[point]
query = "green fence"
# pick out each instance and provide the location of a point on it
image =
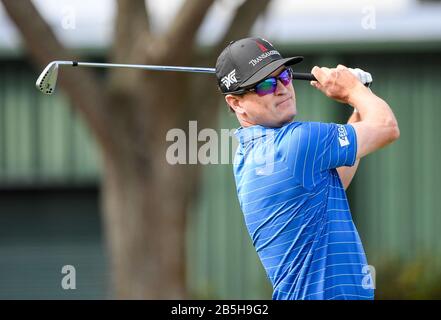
(41, 138)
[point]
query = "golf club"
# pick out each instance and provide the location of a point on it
(47, 80)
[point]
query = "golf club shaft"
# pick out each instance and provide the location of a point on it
(144, 67)
(296, 75)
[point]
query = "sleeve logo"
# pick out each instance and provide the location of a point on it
(229, 79)
(342, 136)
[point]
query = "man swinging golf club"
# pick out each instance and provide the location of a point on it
(294, 203)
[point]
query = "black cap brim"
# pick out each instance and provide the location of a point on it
(268, 69)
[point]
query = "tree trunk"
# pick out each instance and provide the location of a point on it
(145, 230)
(145, 198)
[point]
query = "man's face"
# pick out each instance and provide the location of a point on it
(271, 110)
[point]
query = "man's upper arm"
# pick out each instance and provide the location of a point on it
(316, 147)
(371, 136)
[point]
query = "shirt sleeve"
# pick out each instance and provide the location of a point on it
(316, 147)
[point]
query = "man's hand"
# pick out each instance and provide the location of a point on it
(338, 83)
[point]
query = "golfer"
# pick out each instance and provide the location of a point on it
(291, 176)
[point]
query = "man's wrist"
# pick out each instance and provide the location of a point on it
(357, 95)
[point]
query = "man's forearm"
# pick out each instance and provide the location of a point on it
(371, 107)
(347, 173)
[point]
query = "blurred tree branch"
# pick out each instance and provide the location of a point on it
(178, 42)
(132, 24)
(132, 31)
(244, 19)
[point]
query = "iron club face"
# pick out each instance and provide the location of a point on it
(47, 80)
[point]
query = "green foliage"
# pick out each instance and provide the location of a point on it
(401, 280)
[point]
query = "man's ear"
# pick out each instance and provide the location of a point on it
(235, 103)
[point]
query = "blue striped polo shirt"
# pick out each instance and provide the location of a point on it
(296, 211)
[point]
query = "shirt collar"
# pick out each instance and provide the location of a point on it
(247, 134)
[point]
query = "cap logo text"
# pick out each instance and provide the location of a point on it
(229, 79)
(258, 59)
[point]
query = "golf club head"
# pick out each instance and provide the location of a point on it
(47, 80)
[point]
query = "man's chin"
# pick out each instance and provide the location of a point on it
(287, 119)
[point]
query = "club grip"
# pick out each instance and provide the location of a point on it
(303, 76)
(363, 76)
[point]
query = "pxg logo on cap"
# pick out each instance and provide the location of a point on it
(246, 62)
(229, 79)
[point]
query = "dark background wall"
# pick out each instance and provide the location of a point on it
(43, 229)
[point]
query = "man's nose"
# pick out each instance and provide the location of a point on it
(280, 89)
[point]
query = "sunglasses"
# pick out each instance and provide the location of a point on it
(269, 85)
